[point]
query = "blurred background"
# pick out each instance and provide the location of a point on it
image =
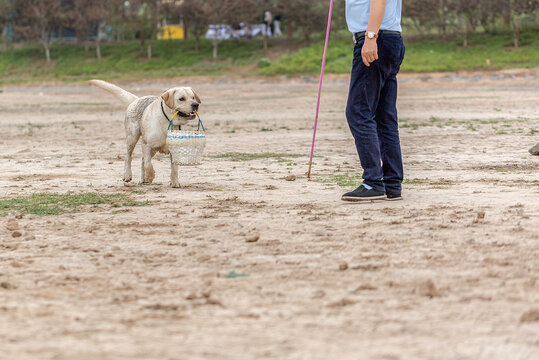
(61, 40)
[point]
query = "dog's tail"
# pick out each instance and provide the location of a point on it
(125, 96)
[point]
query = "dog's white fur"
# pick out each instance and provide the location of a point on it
(144, 119)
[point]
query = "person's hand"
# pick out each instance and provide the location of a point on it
(369, 52)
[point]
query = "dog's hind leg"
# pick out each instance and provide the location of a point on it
(131, 142)
(174, 182)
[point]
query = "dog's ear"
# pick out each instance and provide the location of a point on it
(168, 98)
(197, 98)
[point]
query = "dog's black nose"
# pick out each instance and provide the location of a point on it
(195, 105)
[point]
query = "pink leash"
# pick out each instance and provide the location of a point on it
(320, 87)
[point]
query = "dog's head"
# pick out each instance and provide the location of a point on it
(184, 100)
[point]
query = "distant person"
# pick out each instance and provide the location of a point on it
(268, 20)
(372, 101)
(277, 26)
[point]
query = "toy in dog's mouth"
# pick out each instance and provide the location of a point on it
(190, 116)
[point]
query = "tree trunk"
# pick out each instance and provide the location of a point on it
(265, 41)
(215, 48)
(197, 43)
(47, 52)
(463, 22)
(98, 49)
(149, 49)
(45, 38)
(516, 30)
(86, 45)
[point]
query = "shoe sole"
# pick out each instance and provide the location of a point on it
(360, 199)
(395, 199)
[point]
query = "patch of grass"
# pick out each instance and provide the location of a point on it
(255, 156)
(78, 104)
(56, 204)
(342, 180)
(441, 123)
(76, 126)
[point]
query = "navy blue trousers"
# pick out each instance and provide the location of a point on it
(372, 114)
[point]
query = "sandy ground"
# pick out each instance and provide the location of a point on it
(451, 272)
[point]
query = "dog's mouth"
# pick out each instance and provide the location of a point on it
(190, 116)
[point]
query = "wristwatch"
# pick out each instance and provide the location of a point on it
(371, 35)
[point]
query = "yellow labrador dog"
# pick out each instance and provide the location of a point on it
(148, 118)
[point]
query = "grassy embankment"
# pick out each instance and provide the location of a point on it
(485, 52)
(177, 58)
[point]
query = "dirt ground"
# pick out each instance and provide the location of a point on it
(451, 272)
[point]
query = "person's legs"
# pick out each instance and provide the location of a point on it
(388, 134)
(391, 56)
(363, 99)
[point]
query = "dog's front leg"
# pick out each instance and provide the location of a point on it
(174, 182)
(148, 173)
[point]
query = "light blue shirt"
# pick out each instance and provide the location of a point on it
(358, 12)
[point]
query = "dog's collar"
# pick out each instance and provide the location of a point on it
(164, 113)
(171, 124)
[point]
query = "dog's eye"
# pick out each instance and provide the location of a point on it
(182, 99)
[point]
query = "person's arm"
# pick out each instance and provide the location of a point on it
(370, 48)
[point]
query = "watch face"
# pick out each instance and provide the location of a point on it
(370, 35)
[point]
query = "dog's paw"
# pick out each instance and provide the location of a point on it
(128, 180)
(175, 184)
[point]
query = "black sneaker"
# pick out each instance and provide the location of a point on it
(394, 197)
(363, 194)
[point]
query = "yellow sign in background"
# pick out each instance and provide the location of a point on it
(171, 32)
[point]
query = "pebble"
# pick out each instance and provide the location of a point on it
(16, 234)
(530, 316)
(7, 286)
(253, 238)
(535, 150)
(426, 288)
(343, 266)
(291, 177)
(12, 225)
